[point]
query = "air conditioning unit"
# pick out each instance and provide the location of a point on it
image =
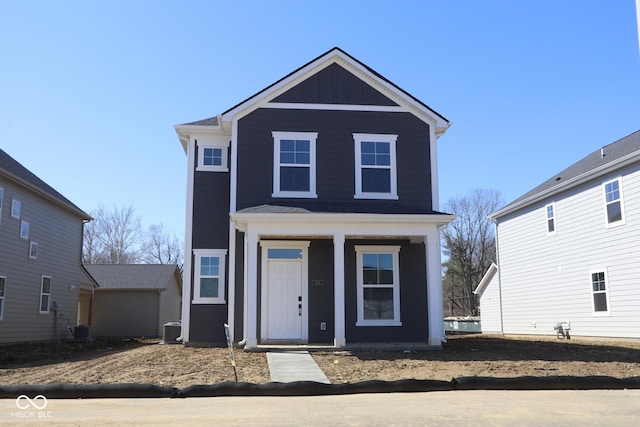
(171, 333)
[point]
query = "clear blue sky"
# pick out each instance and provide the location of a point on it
(90, 90)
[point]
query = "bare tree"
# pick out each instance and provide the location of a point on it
(160, 246)
(113, 237)
(469, 244)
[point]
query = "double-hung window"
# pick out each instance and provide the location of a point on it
(600, 292)
(15, 208)
(45, 294)
(209, 273)
(212, 155)
(294, 164)
(378, 285)
(613, 202)
(551, 218)
(376, 173)
(3, 281)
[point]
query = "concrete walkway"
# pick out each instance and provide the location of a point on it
(290, 366)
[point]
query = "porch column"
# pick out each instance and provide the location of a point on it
(251, 297)
(434, 288)
(339, 339)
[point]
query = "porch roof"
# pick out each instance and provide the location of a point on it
(308, 207)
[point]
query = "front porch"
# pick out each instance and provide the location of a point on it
(329, 246)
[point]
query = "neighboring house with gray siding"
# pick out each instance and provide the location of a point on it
(568, 250)
(312, 214)
(40, 257)
(488, 292)
(134, 300)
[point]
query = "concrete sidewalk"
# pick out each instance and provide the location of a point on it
(291, 366)
(554, 408)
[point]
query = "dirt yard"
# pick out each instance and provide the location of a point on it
(147, 361)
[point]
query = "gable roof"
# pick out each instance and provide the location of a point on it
(13, 170)
(486, 279)
(133, 276)
(335, 55)
(607, 159)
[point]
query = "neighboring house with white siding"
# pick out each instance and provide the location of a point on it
(568, 250)
(134, 300)
(489, 292)
(41, 276)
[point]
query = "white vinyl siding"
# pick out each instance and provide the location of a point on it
(544, 281)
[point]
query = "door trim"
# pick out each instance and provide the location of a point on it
(264, 285)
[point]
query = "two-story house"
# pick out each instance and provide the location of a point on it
(312, 213)
(568, 251)
(41, 278)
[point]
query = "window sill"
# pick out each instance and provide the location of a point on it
(294, 195)
(216, 301)
(378, 323)
(212, 169)
(602, 314)
(375, 196)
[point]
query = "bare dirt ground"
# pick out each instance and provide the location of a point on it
(148, 362)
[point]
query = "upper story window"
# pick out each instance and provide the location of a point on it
(294, 164)
(600, 292)
(551, 218)
(212, 155)
(15, 208)
(378, 285)
(375, 171)
(24, 230)
(208, 280)
(613, 202)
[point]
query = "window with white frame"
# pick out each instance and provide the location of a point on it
(45, 294)
(212, 155)
(613, 202)
(209, 274)
(15, 208)
(551, 218)
(33, 250)
(3, 281)
(294, 164)
(24, 230)
(600, 292)
(375, 171)
(378, 285)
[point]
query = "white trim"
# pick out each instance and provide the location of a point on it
(606, 292)
(434, 287)
(623, 219)
(188, 239)
(42, 294)
(433, 155)
(336, 107)
(233, 197)
(221, 254)
(278, 136)
(383, 249)
(222, 145)
(339, 339)
(553, 218)
(358, 139)
(264, 279)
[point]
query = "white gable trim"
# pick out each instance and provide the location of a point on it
(337, 56)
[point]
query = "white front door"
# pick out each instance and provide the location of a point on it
(284, 299)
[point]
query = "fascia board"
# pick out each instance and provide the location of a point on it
(486, 279)
(184, 132)
(620, 163)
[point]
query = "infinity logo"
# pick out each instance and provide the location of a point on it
(23, 402)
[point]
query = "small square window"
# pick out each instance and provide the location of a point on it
(24, 230)
(212, 155)
(15, 208)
